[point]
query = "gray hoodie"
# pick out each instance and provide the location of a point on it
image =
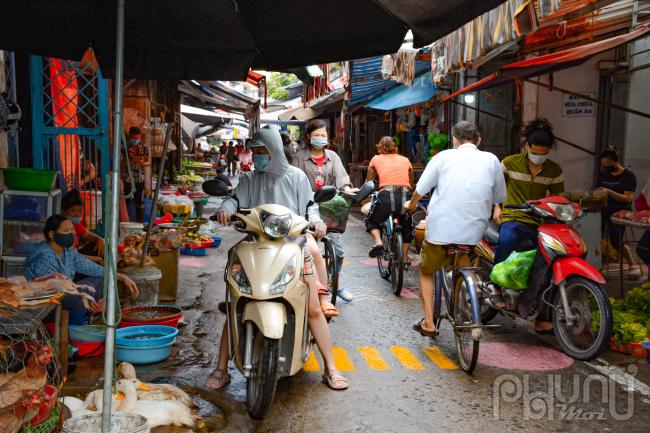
(278, 183)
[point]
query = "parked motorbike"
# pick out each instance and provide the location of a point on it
(267, 298)
(570, 287)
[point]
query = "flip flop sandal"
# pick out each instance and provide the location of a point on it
(329, 310)
(496, 299)
(376, 251)
(418, 327)
(322, 290)
(218, 379)
(334, 378)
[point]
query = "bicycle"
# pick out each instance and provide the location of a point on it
(335, 214)
(463, 307)
(391, 261)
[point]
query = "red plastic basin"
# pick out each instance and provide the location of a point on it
(166, 315)
(89, 350)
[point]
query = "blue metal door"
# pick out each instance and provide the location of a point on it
(70, 114)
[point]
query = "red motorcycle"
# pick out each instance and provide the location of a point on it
(564, 282)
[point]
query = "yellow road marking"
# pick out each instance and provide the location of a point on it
(311, 364)
(373, 358)
(406, 358)
(439, 358)
(342, 360)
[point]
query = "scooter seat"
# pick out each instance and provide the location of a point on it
(492, 233)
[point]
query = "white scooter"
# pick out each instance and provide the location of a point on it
(267, 299)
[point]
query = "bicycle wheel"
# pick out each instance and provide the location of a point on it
(397, 263)
(329, 254)
(383, 261)
(466, 345)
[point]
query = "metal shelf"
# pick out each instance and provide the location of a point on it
(24, 223)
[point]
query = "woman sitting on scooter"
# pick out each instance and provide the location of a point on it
(275, 181)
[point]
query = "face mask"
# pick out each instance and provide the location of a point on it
(261, 161)
(65, 240)
(318, 142)
(537, 159)
(608, 169)
(75, 220)
(134, 141)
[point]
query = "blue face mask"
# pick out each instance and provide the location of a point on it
(261, 161)
(318, 142)
(75, 220)
(134, 141)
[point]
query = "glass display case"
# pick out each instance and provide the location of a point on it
(22, 216)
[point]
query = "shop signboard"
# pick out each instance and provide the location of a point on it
(575, 106)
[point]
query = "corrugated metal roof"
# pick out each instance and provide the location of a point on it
(367, 82)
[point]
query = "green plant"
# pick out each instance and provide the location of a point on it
(277, 83)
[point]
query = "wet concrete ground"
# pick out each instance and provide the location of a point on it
(399, 380)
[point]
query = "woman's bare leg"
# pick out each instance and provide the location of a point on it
(319, 265)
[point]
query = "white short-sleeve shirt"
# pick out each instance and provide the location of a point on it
(467, 183)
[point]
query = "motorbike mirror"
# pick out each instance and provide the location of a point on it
(215, 187)
(324, 194)
(364, 192)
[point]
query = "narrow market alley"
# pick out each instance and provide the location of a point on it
(399, 381)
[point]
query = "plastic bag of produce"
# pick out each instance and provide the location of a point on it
(513, 272)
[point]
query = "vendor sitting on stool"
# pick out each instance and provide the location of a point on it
(57, 256)
(88, 243)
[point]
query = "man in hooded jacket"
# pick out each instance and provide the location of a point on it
(275, 181)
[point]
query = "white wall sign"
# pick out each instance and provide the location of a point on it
(574, 106)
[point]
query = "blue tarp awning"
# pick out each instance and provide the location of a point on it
(367, 82)
(402, 96)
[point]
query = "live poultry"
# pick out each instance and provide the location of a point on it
(154, 391)
(13, 417)
(31, 378)
(158, 413)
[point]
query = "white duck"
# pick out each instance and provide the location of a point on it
(157, 413)
(94, 400)
(77, 407)
(154, 391)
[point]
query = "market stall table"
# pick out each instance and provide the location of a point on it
(631, 224)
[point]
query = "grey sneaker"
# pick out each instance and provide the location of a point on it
(345, 294)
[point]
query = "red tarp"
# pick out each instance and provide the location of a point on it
(551, 62)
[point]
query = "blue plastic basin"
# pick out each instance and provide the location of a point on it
(143, 355)
(87, 333)
(146, 336)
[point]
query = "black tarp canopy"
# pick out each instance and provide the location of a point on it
(223, 39)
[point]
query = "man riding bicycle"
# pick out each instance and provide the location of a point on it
(467, 183)
(394, 173)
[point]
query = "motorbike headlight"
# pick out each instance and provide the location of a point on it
(239, 275)
(564, 212)
(276, 226)
(285, 277)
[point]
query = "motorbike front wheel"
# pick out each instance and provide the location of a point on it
(260, 387)
(587, 336)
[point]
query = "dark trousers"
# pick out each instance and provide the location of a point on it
(514, 236)
(73, 303)
(382, 208)
(135, 205)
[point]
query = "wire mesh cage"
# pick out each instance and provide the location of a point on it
(30, 373)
